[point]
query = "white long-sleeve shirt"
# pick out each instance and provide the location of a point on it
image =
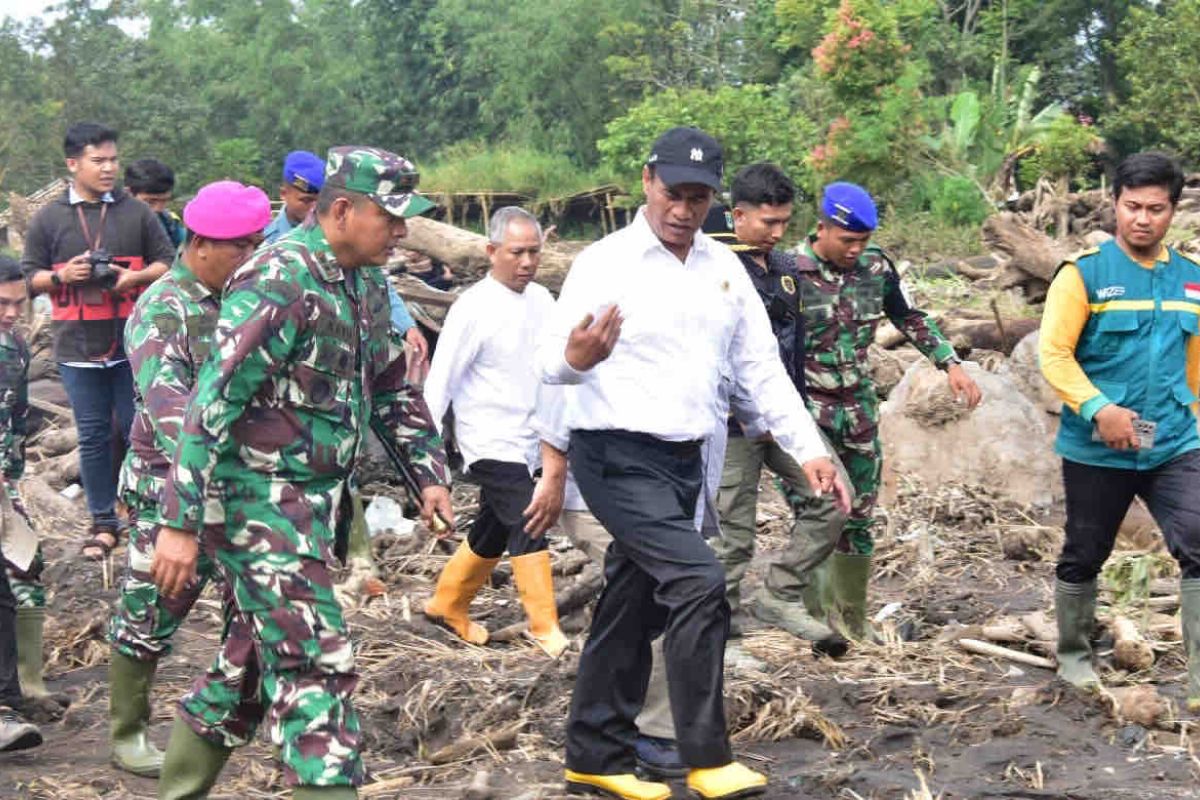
(686, 326)
(483, 365)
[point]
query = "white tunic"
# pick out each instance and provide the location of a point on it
(483, 366)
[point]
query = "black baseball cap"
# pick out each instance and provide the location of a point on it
(687, 155)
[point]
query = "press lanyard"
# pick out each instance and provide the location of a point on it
(93, 244)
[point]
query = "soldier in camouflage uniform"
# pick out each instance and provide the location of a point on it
(16, 733)
(303, 358)
(168, 338)
(762, 208)
(846, 290)
(26, 584)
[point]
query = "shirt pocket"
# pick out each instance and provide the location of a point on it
(817, 306)
(321, 383)
(1184, 394)
(868, 301)
(1114, 329)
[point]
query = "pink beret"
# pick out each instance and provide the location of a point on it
(227, 210)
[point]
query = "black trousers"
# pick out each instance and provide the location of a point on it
(505, 490)
(1098, 497)
(10, 688)
(660, 576)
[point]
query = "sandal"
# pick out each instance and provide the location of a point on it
(101, 544)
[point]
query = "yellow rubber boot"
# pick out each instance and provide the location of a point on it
(536, 586)
(626, 786)
(727, 782)
(460, 580)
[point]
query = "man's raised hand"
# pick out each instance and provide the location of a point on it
(593, 340)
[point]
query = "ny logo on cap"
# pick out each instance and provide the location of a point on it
(697, 154)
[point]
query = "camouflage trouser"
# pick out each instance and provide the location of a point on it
(286, 654)
(27, 586)
(145, 621)
(811, 539)
(857, 445)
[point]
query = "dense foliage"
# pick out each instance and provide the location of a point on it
(940, 106)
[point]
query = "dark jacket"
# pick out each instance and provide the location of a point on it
(778, 286)
(88, 321)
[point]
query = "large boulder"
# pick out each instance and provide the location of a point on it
(888, 366)
(1003, 444)
(1027, 374)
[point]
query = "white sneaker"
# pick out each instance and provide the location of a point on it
(16, 733)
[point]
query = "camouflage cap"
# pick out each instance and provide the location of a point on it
(388, 179)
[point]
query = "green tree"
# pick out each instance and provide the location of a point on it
(874, 84)
(751, 123)
(28, 109)
(1158, 57)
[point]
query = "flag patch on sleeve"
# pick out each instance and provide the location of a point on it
(1192, 291)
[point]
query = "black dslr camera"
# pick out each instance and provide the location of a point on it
(103, 274)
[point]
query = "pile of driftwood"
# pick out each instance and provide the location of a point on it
(1042, 228)
(465, 254)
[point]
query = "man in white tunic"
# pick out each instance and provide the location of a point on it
(483, 366)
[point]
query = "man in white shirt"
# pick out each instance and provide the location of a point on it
(483, 366)
(650, 321)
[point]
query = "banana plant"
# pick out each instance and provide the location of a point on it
(983, 139)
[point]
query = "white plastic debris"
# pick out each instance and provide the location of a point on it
(887, 611)
(72, 492)
(384, 515)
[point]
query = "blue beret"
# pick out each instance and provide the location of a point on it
(849, 206)
(304, 170)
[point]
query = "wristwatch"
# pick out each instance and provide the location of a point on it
(55, 280)
(945, 366)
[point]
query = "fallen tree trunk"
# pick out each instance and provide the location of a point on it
(465, 252)
(973, 268)
(968, 330)
(1030, 257)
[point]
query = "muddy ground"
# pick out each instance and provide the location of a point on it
(885, 722)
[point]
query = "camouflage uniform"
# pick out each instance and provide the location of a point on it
(26, 584)
(842, 309)
(167, 338)
(305, 354)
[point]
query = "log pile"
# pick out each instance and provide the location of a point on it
(465, 253)
(1043, 227)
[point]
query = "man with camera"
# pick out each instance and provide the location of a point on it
(92, 251)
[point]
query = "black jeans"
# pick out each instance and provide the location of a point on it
(1099, 497)
(660, 575)
(10, 688)
(505, 490)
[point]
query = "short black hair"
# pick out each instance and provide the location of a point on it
(762, 184)
(10, 269)
(149, 176)
(329, 194)
(82, 134)
(1150, 168)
